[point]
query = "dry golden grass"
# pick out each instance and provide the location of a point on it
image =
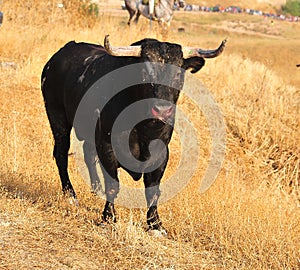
(249, 219)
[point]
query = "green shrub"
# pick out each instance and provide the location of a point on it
(90, 9)
(292, 7)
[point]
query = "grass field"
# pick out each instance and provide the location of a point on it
(249, 219)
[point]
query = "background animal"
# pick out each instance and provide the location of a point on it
(163, 11)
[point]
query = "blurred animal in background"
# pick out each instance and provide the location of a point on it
(162, 10)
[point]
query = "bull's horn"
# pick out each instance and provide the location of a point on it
(190, 51)
(121, 51)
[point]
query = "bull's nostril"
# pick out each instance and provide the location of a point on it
(155, 112)
(156, 108)
(163, 111)
(163, 106)
(170, 109)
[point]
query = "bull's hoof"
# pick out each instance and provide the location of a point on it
(109, 213)
(70, 195)
(158, 232)
(69, 192)
(73, 201)
(109, 219)
(103, 224)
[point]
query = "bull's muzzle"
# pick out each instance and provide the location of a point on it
(163, 111)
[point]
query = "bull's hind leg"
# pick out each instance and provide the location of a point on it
(90, 158)
(109, 166)
(61, 131)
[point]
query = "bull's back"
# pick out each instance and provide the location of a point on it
(71, 58)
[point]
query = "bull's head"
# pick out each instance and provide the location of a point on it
(164, 62)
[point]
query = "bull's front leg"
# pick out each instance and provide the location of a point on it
(152, 193)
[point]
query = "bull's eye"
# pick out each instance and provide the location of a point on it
(177, 79)
(148, 75)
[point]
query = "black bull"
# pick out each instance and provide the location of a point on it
(71, 73)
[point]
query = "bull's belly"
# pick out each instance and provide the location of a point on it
(139, 156)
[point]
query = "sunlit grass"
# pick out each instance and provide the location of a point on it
(249, 219)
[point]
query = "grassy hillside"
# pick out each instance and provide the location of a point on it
(249, 219)
(255, 4)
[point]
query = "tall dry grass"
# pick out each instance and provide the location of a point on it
(249, 219)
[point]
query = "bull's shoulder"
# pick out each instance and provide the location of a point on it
(81, 50)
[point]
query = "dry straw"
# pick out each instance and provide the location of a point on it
(249, 219)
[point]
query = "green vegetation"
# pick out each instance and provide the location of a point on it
(292, 7)
(90, 9)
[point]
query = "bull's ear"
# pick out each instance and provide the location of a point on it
(195, 63)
